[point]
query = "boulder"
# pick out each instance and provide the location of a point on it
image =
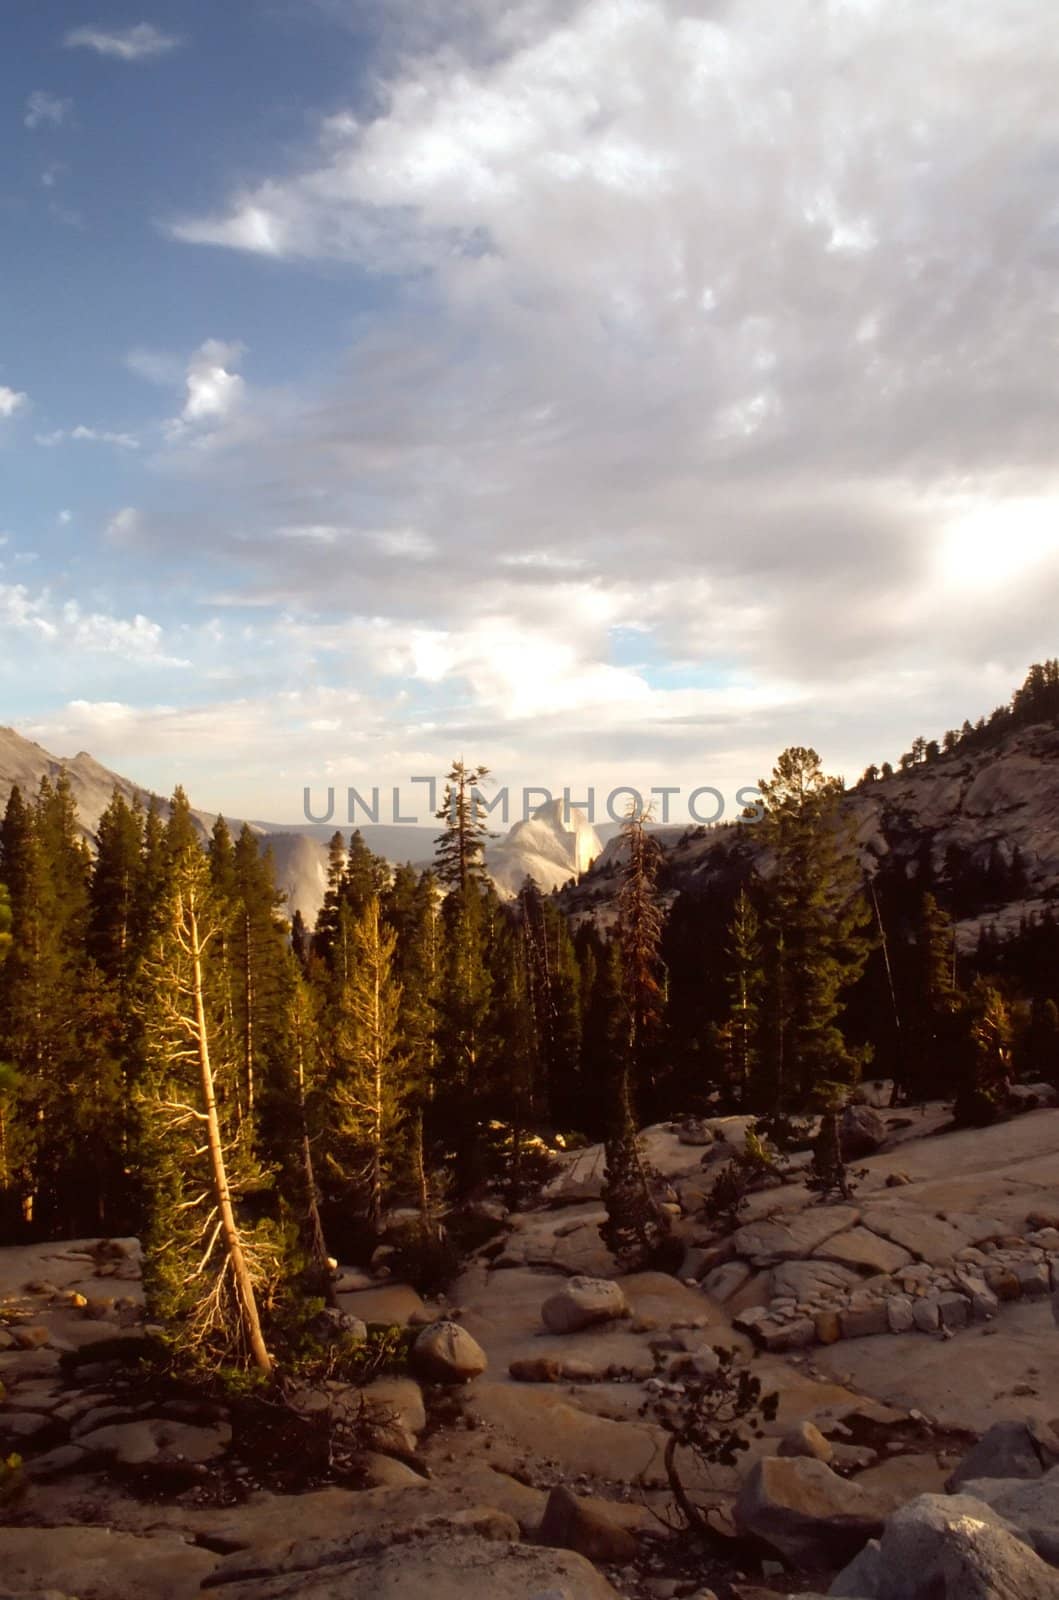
(694, 1131)
(446, 1565)
(725, 1281)
(948, 1548)
(863, 1251)
(1008, 1450)
(398, 1413)
(861, 1322)
(100, 1564)
(803, 1279)
(1030, 1506)
(794, 1236)
(153, 1439)
(805, 1512)
(581, 1302)
(446, 1353)
(861, 1132)
(927, 1238)
(807, 1440)
(875, 1092)
(588, 1526)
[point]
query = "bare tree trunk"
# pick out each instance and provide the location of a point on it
(317, 1241)
(248, 979)
(232, 1243)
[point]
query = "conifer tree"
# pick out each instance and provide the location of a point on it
(410, 906)
(746, 978)
(639, 928)
(58, 1035)
(7, 1072)
(935, 1003)
(818, 919)
(259, 967)
(116, 894)
(371, 1083)
(459, 852)
(204, 1268)
(462, 1002)
(987, 1056)
(553, 997)
(636, 1227)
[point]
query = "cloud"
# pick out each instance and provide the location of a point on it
(123, 527)
(11, 400)
(144, 42)
(68, 626)
(214, 391)
(692, 331)
(45, 110)
(81, 433)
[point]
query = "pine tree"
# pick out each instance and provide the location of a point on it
(370, 1082)
(817, 918)
(746, 977)
(462, 1002)
(58, 1027)
(204, 1268)
(116, 893)
(934, 1003)
(459, 852)
(259, 971)
(987, 1056)
(7, 1072)
(639, 927)
(410, 906)
(554, 1001)
(636, 1227)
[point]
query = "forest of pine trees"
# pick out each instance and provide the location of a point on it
(180, 1060)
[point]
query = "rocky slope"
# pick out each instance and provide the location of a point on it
(980, 807)
(518, 1463)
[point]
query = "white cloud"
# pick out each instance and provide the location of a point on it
(144, 42)
(45, 110)
(214, 391)
(81, 433)
(11, 400)
(68, 626)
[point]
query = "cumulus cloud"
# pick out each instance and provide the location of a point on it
(67, 625)
(45, 110)
(11, 400)
(143, 42)
(214, 391)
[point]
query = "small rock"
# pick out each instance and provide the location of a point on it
(33, 1337)
(806, 1440)
(536, 1369)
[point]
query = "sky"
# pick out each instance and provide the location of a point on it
(611, 393)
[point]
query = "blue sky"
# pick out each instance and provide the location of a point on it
(612, 391)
